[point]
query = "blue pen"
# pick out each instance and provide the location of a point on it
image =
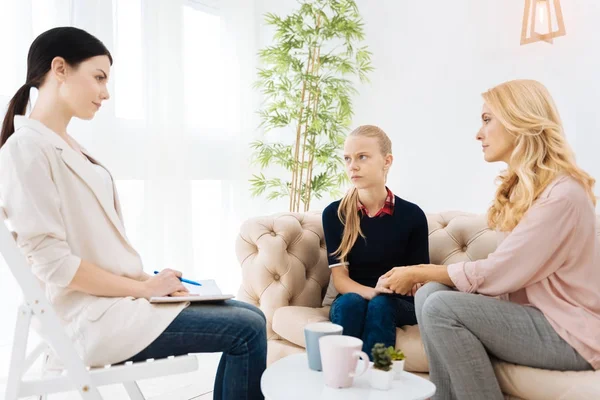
(185, 280)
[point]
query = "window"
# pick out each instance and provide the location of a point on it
(203, 70)
(207, 225)
(44, 16)
(215, 226)
(128, 71)
(8, 69)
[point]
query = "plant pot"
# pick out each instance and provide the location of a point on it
(398, 368)
(381, 380)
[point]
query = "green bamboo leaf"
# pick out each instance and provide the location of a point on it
(319, 100)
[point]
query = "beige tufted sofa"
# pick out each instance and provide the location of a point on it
(285, 273)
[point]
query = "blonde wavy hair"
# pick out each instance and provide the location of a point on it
(348, 209)
(527, 111)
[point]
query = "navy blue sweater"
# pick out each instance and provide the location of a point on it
(390, 241)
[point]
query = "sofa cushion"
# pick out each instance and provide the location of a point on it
(289, 322)
(408, 339)
(279, 348)
(541, 384)
(330, 295)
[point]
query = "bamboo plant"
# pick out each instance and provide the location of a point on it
(307, 83)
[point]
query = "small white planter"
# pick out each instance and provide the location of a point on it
(381, 380)
(398, 368)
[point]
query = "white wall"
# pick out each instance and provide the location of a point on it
(434, 58)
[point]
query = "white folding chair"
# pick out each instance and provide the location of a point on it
(75, 375)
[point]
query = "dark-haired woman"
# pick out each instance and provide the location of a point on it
(63, 205)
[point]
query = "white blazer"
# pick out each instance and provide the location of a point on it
(58, 206)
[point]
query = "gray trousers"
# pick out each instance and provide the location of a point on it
(461, 331)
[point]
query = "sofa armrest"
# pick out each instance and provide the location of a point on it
(284, 262)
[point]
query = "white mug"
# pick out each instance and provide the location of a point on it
(339, 357)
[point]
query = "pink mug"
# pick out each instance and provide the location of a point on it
(339, 357)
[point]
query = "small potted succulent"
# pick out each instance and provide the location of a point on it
(381, 375)
(397, 357)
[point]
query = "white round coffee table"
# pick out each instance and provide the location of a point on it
(290, 378)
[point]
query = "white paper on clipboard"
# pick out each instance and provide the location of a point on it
(209, 291)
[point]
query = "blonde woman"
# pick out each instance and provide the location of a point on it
(546, 271)
(367, 233)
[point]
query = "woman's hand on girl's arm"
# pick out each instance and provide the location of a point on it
(415, 287)
(402, 280)
(381, 286)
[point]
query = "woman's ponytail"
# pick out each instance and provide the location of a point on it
(17, 106)
(348, 214)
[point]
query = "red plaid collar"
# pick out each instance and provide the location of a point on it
(388, 206)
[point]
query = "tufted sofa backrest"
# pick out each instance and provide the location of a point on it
(284, 260)
(457, 236)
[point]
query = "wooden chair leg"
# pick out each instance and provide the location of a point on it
(91, 394)
(133, 390)
(17, 358)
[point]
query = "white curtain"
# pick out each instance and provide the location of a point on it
(175, 132)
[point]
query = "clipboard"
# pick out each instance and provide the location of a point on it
(208, 291)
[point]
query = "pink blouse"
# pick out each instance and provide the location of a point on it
(551, 260)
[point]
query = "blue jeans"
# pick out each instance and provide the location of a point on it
(373, 321)
(235, 328)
